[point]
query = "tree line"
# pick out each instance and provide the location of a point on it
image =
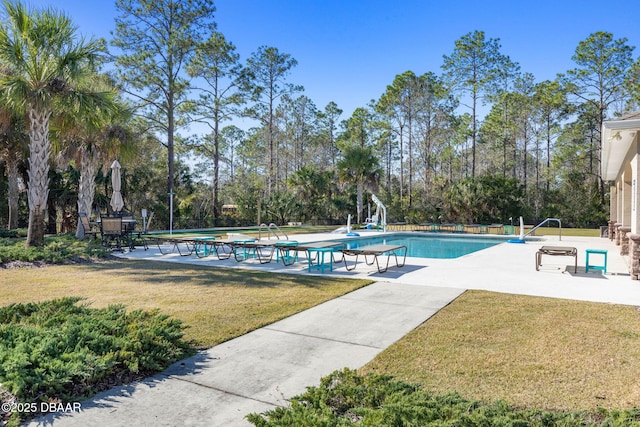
(480, 141)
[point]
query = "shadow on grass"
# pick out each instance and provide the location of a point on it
(170, 273)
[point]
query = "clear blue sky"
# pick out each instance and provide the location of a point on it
(349, 51)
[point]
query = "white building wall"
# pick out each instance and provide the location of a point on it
(626, 197)
(635, 194)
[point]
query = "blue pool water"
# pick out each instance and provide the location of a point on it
(428, 246)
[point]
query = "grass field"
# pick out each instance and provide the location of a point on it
(216, 303)
(554, 231)
(532, 352)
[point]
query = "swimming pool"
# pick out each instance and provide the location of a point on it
(428, 246)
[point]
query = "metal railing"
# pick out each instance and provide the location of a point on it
(272, 230)
(544, 222)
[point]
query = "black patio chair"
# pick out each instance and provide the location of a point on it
(112, 233)
(86, 225)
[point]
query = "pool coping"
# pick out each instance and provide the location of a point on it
(497, 238)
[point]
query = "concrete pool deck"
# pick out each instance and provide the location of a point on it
(261, 370)
(506, 267)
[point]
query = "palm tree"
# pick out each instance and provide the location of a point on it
(359, 166)
(314, 189)
(45, 60)
(91, 139)
(13, 153)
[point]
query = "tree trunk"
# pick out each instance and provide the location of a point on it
(474, 135)
(86, 186)
(38, 188)
(170, 159)
(548, 175)
(271, 173)
(504, 156)
(401, 167)
(389, 158)
(537, 164)
(35, 233)
(524, 157)
(426, 159)
(360, 187)
(13, 191)
(410, 177)
(51, 222)
(216, 169)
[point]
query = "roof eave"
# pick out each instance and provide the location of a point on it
(617, 138)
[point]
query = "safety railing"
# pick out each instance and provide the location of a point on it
(545, 222)
(272, 230)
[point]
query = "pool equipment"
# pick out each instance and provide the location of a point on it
(349, 233)
(520, 239)
(346, 229)
(548, 220)
(380, 216)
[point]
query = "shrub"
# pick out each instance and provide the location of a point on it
(345, 398)
(59, 350)
(57, 250)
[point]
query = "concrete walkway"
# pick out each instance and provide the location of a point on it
(261, 370)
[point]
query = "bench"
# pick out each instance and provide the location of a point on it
(557, 251)
(375, 251)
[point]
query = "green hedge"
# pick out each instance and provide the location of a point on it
(345, 398)
(56, 250)
(63, 350)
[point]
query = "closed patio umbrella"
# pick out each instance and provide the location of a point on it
(116, 198)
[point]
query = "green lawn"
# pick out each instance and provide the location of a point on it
(216, 303)
(554, 231)
(532, 352)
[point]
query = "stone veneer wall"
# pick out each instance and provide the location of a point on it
(617, 226)
(612, 230)
(634, 256)
(624, 240)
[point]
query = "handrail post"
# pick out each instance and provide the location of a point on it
(260, 230)
(560, 229)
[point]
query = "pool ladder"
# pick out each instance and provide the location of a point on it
(272, 230)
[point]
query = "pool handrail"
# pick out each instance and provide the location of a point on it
(270, 231)
(544, 222)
